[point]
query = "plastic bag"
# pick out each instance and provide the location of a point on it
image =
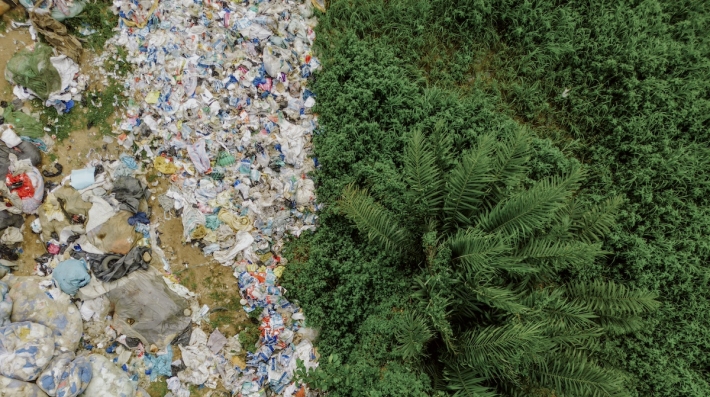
(108, 380)
(147, 309)
(116, 235)
(5, 304)
(17, 388)
(49, 307)
(33, 70)
(129, 192)
(65, 376)
(25, 349)
(71, 275)
(59, 13)
(22, 123)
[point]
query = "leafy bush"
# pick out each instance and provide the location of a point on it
(621, 86)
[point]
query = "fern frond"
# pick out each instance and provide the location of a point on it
(577, 376)
(464, 382)
(619, 325)
(557, 255)
(373, 219)
(583, 338)
(610, 299)
(552, 308)
(475, 250)
(530, 210)
(466, 183)
(434, 302)
(501, 298)
(596, 221)
(412, 334)
(421, 172)
(508, 167)
(491, 349)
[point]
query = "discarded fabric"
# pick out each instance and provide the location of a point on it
(71, 275)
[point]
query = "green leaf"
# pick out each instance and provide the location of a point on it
(577, 376)
(373, 219)
(421, 172)
(532, 209)
(464, 382)
(489, 350)
(610, 299)
(466, 183)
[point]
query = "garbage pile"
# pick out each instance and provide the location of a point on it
(218, 108)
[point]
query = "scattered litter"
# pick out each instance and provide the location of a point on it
(219, 109)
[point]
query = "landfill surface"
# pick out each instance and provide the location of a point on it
(152, 255)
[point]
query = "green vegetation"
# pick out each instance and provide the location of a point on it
(98, 112)
(248, 337)
(616, 89)
(97, 15)
(159, 388)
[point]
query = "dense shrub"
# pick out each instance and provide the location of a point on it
(622, 86)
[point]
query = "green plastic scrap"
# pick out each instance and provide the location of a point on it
(24, 124)
(34, 70)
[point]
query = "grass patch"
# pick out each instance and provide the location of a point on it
(159, 388)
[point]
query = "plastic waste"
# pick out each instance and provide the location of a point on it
(129, 192)
(216, 341)
(60, 10)
(145, 308)
(17, 388)
(72, 201)
(11, 235)
(83, 178)
(46, 306)
(25, 350)
(10, 220)
(164, 166)
(159, 364)
(5, 304)
(113, 267)
(56, 34)
(71, 275)
(65, 376)
(6, 267)
(23, 151)
(199, 360)
(108, 380)
(115, 235)
(33, 70)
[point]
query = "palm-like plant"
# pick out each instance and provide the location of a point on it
(492, 304)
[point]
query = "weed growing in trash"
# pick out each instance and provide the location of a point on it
(158, 388)
(248, 337)
(97, 15)
(100, 106)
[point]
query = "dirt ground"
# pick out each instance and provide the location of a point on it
(214, 284)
